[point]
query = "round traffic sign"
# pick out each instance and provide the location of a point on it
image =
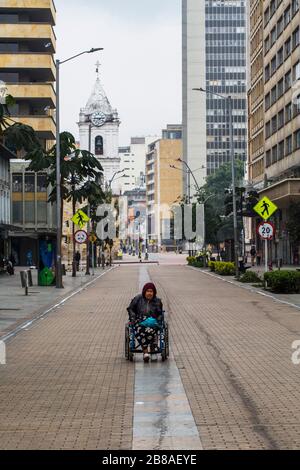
(266, 230)
(81, 236)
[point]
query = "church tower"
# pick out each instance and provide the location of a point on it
(99, 132)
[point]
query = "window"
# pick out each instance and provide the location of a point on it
(272, 8)
(273, 36)
(42, 212)
(280, 26)
(267, 73)
(296, 38)
(287, 47)
(288, 145)
(296, 71)
(17, 212)
(41, 183)
(295, 6)
(267, 101)
(287, 16)
(281, 119)
(273, 95)
(29, 183)
(288, 80)
(268, 129)
(281, 150)
(280, 57)
(273, 65)
(274, 154)
(29, 212)
(99, 150)
(17, 183)
(297, 139)
(274, 124)
(280, 88)
(288, 112)
(267, 15)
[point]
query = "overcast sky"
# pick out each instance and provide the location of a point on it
(141, 63)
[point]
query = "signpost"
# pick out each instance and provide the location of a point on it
(93, 238)
(265, 208)
(80, 219)
(81, 237)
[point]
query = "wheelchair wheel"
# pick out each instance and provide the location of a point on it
(165, 351)
(128, 353)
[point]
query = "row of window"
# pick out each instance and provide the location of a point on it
(282, 54)
(282, 86)
(283, 117)
(283, 149)
(29, 183)
(289, 12)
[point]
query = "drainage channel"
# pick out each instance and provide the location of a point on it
(163, 419)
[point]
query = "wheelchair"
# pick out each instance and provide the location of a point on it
(132, 347)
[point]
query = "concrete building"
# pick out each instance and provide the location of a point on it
(133, 162)
(274, 112)
(27, 46)
(99, 131)
(163, 188)
(31, 215)
(214, 58)
(5, 219)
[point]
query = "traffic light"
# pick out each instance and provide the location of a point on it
(228, 202)
(251, 199)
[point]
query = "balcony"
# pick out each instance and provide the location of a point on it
(43, 125)
(38, 92)
(41, 63)
(283, 192)
(44, 9)
(28, 31)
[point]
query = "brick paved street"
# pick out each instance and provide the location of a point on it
(66, 384)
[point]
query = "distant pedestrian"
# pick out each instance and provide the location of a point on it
(258, 258)
(77, 259)
(253, 255)
(103, 260)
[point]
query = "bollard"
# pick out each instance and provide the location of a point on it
(24, 280)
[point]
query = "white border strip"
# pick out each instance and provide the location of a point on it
(26, 325)
(250, 289)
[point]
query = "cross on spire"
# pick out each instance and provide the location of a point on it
(97, 69)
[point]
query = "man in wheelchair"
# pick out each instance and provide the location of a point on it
(145, 313)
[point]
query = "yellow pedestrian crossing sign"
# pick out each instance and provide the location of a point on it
(265, 208)
(80, 219)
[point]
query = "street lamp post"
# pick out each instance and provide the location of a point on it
(58, 63)
(228, 99)
(189, 173)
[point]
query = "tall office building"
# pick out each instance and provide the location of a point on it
(214, 58)
(27, 46)
(274, 113)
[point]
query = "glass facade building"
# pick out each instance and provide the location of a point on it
(226, 74)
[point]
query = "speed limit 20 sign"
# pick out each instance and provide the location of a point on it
(266, 230)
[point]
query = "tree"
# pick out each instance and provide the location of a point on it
(80, 171)
(15, 135)
(213, 191)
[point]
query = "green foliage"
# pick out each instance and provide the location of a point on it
(212, 265)
(217, 229)
(192, 261)
(250, 277)
(77, 167)
(224, 269)
(283, 282)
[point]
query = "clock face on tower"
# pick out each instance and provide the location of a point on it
(98, 118)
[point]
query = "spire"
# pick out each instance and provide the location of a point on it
(98, 100)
